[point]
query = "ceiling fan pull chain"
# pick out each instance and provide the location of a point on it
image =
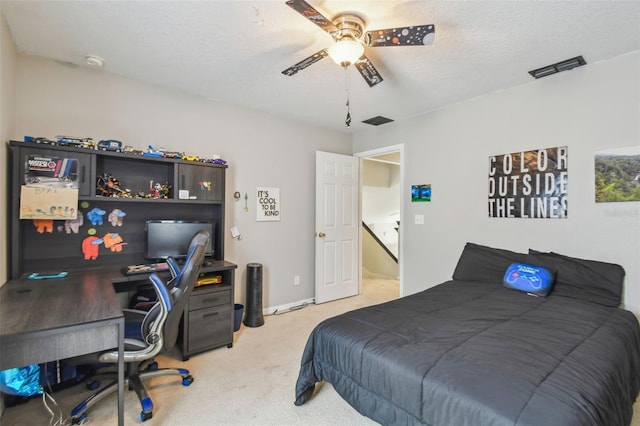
(347, 121)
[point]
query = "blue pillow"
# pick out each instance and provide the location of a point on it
(531, 279)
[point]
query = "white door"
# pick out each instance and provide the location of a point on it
(337, 257)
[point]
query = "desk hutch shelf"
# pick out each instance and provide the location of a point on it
(32, 248)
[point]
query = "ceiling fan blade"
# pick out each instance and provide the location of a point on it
(368, 71)
(405, 36)
(306, 10)
(306, 62)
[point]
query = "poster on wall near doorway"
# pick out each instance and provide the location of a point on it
(268, 204)
(617, 173)
(529, 184)
(420, 193)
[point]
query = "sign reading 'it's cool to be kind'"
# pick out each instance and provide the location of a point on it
(268, 207)
(529, 184)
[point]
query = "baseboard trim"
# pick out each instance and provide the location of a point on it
(281, 309)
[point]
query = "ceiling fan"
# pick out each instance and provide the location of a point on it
(350, 39)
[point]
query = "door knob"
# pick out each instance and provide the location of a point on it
(321, 234)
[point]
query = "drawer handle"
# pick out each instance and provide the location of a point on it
(210, 315)
(215, 299)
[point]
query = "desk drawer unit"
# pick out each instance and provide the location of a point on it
(207, 300)
(209, 328)
(208, 320)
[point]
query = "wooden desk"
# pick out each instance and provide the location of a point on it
(47, 320)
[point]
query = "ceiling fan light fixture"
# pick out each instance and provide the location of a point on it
(346, 52)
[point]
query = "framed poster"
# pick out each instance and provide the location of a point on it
(617, 173)
(529, 184)
(268, 204)
(420, 193)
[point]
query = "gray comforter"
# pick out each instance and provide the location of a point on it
(476, 353)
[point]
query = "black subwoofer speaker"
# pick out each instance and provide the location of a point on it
(253, 316)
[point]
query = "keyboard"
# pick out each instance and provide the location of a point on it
(145, 268)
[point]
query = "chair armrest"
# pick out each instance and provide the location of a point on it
(133, 315)
(174, 268)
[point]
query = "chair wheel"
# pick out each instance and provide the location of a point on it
(145, 416)
(79, 420)
(186, 381)
(93, 385)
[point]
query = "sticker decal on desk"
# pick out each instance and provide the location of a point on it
(38, 276)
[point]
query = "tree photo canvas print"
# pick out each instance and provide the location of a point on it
(617, 174)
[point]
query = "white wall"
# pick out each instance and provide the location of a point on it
(587, 109)
(8, 59)
(261, 150)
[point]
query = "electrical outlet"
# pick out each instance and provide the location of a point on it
(419, 219)
(296, 280)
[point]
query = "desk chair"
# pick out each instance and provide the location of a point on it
(149, 333)
(174, 267)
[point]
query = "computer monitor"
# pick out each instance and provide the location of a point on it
(166, 238)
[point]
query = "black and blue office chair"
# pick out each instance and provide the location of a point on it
(175, 268)
(149, 333)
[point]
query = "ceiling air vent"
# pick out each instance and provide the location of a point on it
(376, 121)
(567, 65)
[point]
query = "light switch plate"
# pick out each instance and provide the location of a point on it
(419, 219)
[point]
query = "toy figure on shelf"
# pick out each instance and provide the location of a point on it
(109, 186)
(165, 189)
(154, 191)
(152, 152)
(215, 160)
(157, 190)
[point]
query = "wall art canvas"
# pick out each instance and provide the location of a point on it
(420, 193)
(529, 184)
(617, 174)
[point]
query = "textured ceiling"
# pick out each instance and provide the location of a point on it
(234, 51)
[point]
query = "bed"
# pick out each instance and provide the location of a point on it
(471, 351)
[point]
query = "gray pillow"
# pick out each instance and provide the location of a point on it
(589, 280)
(482, 263)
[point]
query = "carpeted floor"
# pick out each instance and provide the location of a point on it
(249, 384)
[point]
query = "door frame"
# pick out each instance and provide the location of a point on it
(373, 153)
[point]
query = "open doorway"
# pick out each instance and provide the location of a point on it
(380, 212)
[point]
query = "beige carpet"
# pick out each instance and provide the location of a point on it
(250, 384)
